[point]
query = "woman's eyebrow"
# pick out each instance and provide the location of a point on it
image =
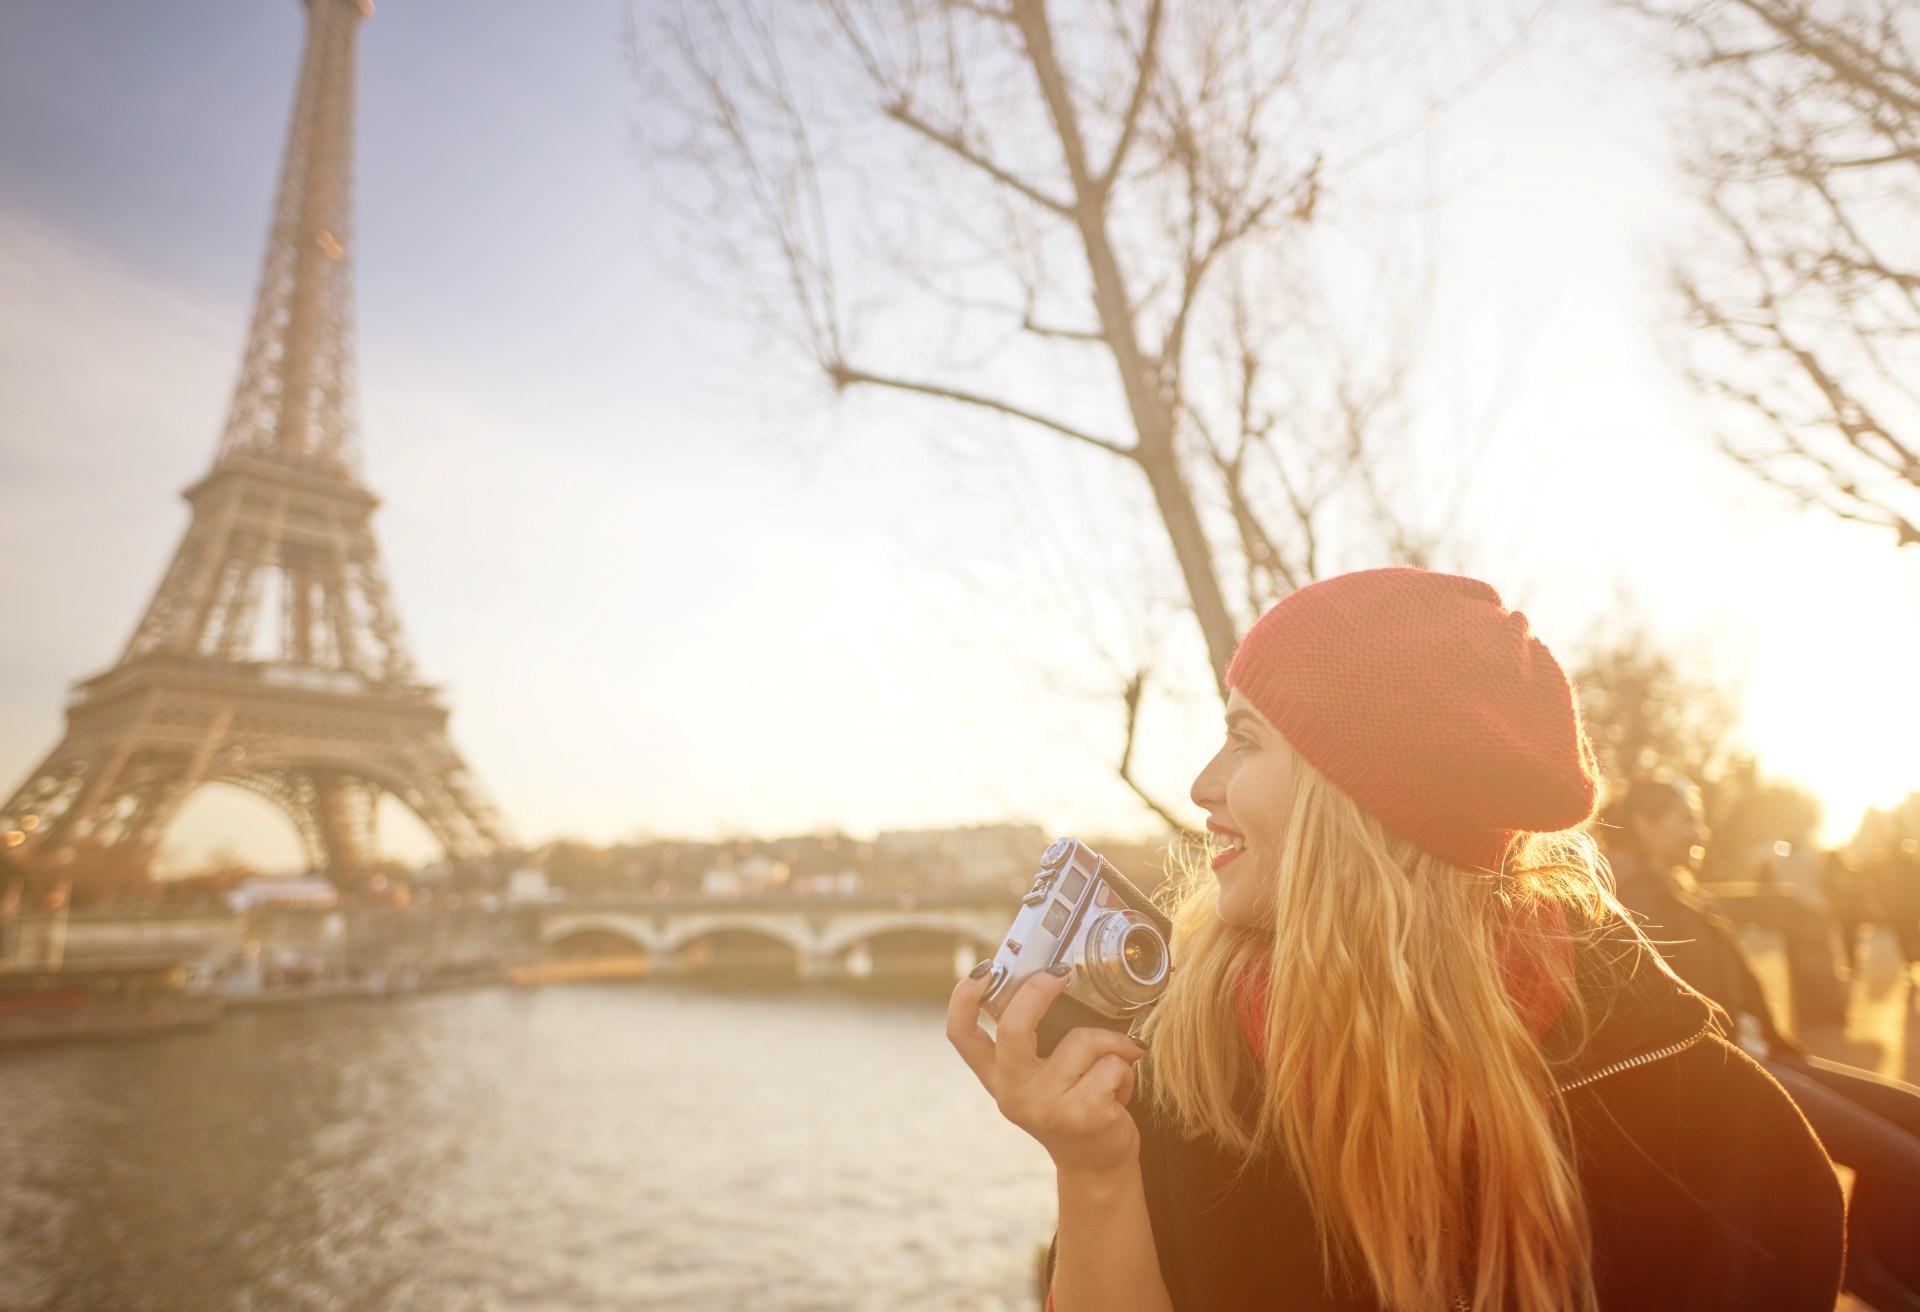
(1242, 719)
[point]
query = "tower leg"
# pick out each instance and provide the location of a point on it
(340, 805)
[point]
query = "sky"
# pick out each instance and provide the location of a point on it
(669, 586)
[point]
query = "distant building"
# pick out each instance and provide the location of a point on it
(529, 886)
(304, 891)
(975, 854)
(844, 884)
(755, 875)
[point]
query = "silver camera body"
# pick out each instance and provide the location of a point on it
(1084, 914)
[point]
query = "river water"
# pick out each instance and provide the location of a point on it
(590, 1147)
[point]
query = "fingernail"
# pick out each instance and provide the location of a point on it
(981, 969)
(1060, 970)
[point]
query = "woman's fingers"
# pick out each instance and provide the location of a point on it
(1108, 1081)
(974, 1044)
(1016, 1051)
(1080, 1049)
(1089, 1106)
(1070, 1100)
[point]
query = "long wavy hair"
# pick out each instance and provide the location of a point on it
(1401, 1081)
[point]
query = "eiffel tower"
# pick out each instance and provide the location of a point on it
(321, 712)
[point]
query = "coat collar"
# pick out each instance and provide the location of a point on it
(1635, 1009)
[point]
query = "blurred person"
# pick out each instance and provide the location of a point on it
(1412, 1056)
(1849, 900)
(1896, 883)
(1865, 1121)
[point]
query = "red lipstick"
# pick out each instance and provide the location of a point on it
(1233, 838)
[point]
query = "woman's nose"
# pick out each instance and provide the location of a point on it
(1206, 791)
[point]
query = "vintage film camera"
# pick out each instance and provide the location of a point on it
(1083, 913)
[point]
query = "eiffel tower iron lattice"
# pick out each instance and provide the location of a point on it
(322, 712)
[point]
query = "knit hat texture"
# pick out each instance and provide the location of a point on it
(1429, 703)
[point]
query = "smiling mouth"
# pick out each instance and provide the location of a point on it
(1227, 849)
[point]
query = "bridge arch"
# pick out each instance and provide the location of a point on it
(847, 931)
(741, 949)
(812, 938)
(633, 929)
(597, 942)
(683, 934)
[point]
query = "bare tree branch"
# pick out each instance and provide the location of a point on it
(845, 376)
(902, 113)
(1135, 687)
(1804, 296)
(1147, 63)
(1087, 335)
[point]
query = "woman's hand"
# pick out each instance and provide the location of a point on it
(1074, 1101)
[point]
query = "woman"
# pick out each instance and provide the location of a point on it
(1867, 1123)
(1412, 1058)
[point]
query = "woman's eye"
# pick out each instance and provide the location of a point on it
(1239, 741)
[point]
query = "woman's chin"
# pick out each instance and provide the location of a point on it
(1233, 910)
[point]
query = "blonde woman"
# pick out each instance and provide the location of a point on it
(1412, 1057)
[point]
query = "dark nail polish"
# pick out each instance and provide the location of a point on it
(1060, 970)
(981, 969)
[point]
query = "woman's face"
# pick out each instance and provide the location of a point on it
(1668, 836)
(1244, 791)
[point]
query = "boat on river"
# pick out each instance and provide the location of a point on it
(105, 1000)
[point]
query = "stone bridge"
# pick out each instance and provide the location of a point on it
(814, 937)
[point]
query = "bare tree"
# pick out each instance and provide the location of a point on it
(1105, 221)
(1654, 710)
(1806, 292)
(1649, 710)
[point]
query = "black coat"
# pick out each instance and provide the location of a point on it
(1701, 945)
(1705, 1187)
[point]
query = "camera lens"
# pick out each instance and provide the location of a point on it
(1126, 959)
(1144, 954)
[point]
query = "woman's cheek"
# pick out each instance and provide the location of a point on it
(1246, 894)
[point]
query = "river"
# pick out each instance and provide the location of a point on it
(590, 1147)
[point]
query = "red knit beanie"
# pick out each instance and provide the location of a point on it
(1430, 703)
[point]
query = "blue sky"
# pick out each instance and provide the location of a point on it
(668, 585)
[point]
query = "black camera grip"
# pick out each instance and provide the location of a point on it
(1068, 1014)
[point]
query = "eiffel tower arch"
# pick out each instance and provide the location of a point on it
(270, 656)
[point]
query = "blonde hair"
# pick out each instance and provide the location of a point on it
(1401, 1083)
